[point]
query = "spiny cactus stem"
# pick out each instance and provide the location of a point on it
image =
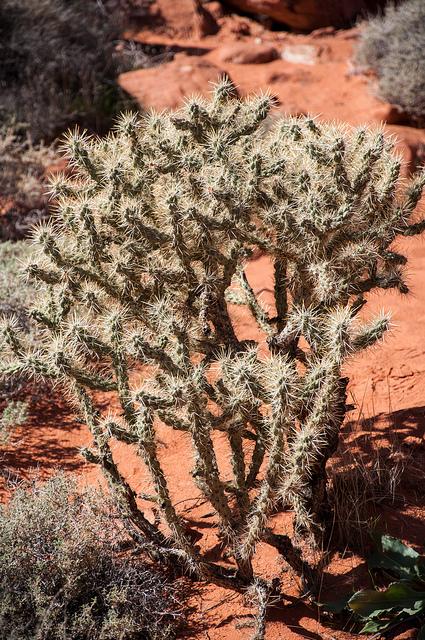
(280, 292)
(286, 341)
(121, 434)
(214, 308)
(263, 504)
(89, 380)
(262, 592)
(256, 462)
(120, 488)
(415, 229)
(307, 478)
(259, 449)
(381, 281)
(179, 244)
(143, 420)
(207, 469)
(44, 275)
(105, 283)
(172, 420)
(242, 235)
(260, 315)
(318, 480)
(149, 454)
(223, 324)
(238, 466)
(119, 363)
(12, 338)
(357, 305)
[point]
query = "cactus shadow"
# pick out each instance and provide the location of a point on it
(49, 439)
(395, 437)
(395, 441)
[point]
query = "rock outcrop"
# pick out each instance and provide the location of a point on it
(239, 53)
(165, 87)
(306, 15)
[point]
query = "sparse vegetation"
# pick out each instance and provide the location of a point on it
(62, 574)
(23, 182)
(140, 265)
(58, 66)
(15, 297)
(358, 486)
(14, 414)
(391, 45)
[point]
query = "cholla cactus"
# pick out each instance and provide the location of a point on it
(139, 270)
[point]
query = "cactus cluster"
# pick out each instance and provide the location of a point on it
(139, 270)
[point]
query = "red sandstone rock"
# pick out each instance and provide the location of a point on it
(177, 19)
(409, 634)
(306, 15)
(165, 87)
(215, 8)
(247, 53)
(320, 81)
(387, 113)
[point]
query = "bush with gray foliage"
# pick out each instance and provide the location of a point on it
(392, 45)
(63, 576)
(140, 268)
(15, 298)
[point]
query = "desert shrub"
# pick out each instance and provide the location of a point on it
(58, 64)
(15, 413)
(136, 55)
(391, 45)
(62, 575)
(23, 182)
(140, 267)
(16, 296)
(23, 168)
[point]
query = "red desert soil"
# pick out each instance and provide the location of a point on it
(387, 383)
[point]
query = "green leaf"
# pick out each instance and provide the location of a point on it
(399, 595)
(373, 626)
(380, 624)
(337, 606)
(396, 557)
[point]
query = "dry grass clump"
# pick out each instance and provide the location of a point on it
(58, 65)
(62, 576)
(392, 45)
(358, 485)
